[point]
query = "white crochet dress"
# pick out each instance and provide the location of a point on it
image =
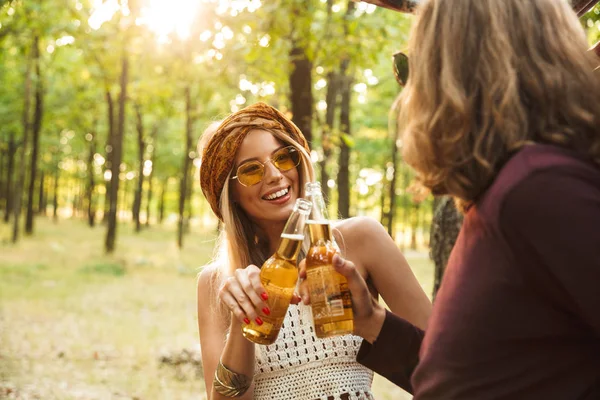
(300, 366)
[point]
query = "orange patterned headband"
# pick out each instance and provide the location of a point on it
(219, 153)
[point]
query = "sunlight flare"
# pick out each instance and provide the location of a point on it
(170, 16)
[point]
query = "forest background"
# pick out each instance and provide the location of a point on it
(104, 225)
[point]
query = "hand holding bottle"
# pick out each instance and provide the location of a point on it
(245, 296)
(278, 276)
(368, 314)
(331, 300)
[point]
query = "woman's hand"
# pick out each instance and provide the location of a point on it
(244, 295)
(368, 313)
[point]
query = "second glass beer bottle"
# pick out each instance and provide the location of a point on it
(279, 275)
(330, 298)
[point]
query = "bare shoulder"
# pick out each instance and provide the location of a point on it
(360, 229)
(209, 279)
(359, 238)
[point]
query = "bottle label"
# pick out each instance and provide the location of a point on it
(279, 299)
(329, 295)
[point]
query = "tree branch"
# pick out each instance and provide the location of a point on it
(583, 6)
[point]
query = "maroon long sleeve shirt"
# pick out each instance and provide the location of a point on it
(518, 313)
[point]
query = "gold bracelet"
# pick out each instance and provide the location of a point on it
(229, 383)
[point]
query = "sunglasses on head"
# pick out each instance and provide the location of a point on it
(400, 67)
(252, 172)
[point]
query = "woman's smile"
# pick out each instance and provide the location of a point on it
(278, 196)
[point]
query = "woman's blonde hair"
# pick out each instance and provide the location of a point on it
(239, 243)
(488, 77)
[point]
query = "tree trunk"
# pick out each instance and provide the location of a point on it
(445, 227)
(44, 196)
(117, 151)
(40, 201)
(55, 195)
(124, 204)
(110, 107)
(37, 126)
(345, 130)
(161, 207)
(185, 167)
(344, 158)
(77, 199)
(2, 182)
(414, 225)
(26, 125)
(148, 200)
(189, 210)
(301, 97)
(582, 6)
(137, 201)
(151, 176)
(382, 212)
(392, 193)
(331, 100)
(405, 206)
(12, 148)
(89, 192)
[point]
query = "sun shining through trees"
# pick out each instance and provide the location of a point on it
(170, 16)
(167, 17)
(163, 17)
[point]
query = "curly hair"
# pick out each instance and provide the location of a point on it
(489, 77)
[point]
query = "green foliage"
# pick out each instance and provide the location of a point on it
(591, 23)
(233, 56)
(17, 271)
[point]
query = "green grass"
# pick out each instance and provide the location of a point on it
(78, 324)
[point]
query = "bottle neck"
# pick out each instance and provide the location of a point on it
(319, 211)
(319, 231)
(289, 247)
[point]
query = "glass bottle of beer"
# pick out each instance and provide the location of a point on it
(330, 298)
(279, 275)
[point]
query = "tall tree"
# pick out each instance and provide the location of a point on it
(141, 145)
(110, 116)
(343, 178)
(90, 185)
(38, 113)
(32, 56)
(10, 164)
(117, 153)
(345, 77)
(2, 172)
(327, 129)
(301, 98)
(41, 194)
(149, 193)
(187, 162)
(395, 133)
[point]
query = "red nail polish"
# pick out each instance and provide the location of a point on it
(266, 311)
(247, 321)
(264, 296)
(259, 321)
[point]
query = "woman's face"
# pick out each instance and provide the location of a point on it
(273, 198)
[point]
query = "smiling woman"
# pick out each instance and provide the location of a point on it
(254, 168)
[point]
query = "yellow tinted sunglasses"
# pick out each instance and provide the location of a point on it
(252, 172)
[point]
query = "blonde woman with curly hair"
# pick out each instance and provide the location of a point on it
(254, 167)
(502, 112)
